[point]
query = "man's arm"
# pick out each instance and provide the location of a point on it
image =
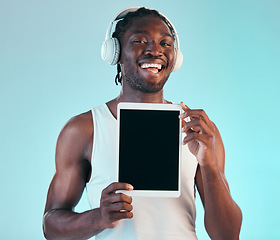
(73, 170)
(223, 217)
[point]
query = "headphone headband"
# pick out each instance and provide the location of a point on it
(110, 50)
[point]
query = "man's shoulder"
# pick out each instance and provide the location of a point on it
(79, 122)
(78, 127)
(81, 119)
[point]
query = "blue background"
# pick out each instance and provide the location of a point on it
(51, 70)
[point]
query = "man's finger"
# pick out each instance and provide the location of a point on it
(120, 207)
(183, 115)
(116, 216)
(113, 187)
(184, 106)
(121, 197)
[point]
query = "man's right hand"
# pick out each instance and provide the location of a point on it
(115, 206)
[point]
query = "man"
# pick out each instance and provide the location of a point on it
(85, 151)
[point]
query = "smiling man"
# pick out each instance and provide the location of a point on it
(146, 52)
(147, 37)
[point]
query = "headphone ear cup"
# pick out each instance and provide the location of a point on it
(178, 60)
(110, 51)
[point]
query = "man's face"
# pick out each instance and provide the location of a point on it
(147, 54)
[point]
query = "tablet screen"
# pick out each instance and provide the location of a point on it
(149, 149)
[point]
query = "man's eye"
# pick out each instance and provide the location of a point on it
(139, 41)
(166, 44)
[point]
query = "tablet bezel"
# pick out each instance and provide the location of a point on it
(156, 107)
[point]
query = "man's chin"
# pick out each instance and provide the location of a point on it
(145, 85)
(150, 88)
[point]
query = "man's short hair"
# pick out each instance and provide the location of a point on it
(125, 23)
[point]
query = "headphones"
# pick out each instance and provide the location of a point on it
(110, 49)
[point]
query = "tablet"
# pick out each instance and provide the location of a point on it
(149, 148)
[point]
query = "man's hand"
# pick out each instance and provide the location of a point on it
(115, 206)
(200, 135)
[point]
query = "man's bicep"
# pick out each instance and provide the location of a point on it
(72, 170)
(65, 190)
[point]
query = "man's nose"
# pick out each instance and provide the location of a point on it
(153, 48)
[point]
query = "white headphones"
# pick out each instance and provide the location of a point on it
(110, 50)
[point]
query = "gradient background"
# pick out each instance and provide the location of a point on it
(51, 70)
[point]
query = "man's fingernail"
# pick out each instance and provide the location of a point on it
(130, 187)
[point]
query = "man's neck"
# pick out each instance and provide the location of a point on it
(129, 94)
(140, 97)
(137, 97)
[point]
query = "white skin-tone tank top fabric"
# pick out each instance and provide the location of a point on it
(154, 218)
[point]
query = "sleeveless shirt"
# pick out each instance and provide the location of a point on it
(153, 218)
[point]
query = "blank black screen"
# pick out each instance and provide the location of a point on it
(149, 149)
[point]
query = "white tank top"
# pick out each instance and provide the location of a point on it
(153, 218)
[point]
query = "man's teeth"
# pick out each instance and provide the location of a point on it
(151, 65)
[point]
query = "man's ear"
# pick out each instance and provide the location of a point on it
(110, 51)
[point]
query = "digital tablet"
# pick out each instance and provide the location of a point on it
(149, 148)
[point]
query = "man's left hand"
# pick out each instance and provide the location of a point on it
(200, 135)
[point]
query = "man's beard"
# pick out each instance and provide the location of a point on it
(139, 83)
